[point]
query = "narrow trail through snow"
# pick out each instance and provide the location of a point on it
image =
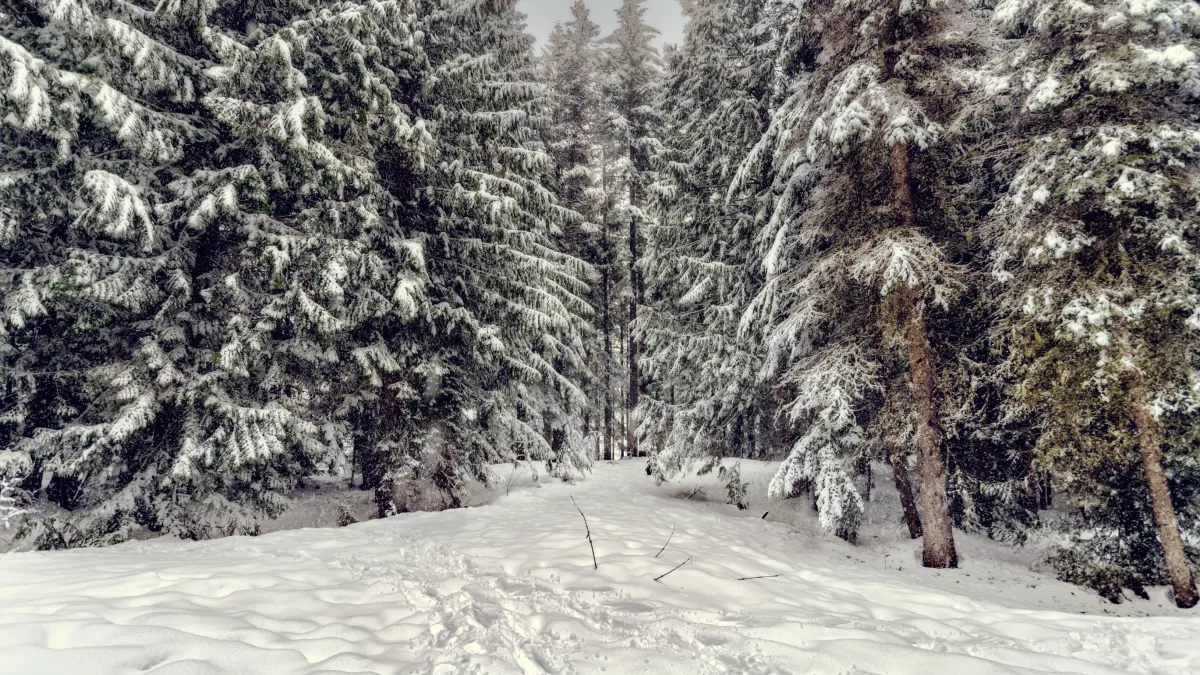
(509, 588)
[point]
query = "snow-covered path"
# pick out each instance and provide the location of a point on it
(509, 588)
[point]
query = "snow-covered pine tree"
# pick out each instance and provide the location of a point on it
(702, 400)
(508, 309)
(570, 70)
(994, 486)
(855, 256)
(310, 224)
(109, 337)
(413, 290)
(571, 73)
(633, 73)
(1095, 252)
(328, 282)
(808, 314)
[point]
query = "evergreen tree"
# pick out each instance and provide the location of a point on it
(571, 71)
(114, 331)
(1094, 253)
(633, 68)
(497, 281)
(857, 255)
(332, 282)
(437, 317)
(266, 235)
(703, 400)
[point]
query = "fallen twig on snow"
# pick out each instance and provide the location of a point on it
(765, 576)
(595, 563)
(673, 569)
(668, 542)
(698, 489)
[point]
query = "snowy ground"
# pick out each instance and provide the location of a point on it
(509, 588)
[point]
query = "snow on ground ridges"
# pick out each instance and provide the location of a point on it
(508, 587)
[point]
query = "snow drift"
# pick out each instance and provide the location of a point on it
(509, 588)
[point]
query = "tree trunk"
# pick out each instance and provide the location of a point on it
(904, 488)
(558, 438)
(634, 299)
(1150, 449)
(938, 534)
(619, 451)
(607, 360)
(1041, 488)
(587, 431)
(902, 197)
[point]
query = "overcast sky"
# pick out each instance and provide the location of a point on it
(543, 14)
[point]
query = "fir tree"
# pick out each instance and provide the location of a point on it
(111, 341)
(703, 400)
(507, 308)
(633, 68)
(856, 256)
(308, 228)
(1094, 253)
(330, 280)
(571, 70)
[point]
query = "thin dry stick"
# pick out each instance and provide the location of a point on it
(595, 563)
(668, 542)
(698, 489)
(673, 569)
(511, 476)
(765, 576)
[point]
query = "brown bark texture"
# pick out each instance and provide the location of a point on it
(1150, 448)
(937, 530)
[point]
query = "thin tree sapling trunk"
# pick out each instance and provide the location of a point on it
(634, 299)
(607, 361)
(904, 488)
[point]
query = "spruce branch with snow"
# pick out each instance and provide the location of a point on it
(1092, 258)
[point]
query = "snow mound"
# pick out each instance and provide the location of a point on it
(510, 588)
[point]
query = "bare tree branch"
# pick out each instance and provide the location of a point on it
(595, 563)
(668, 542)
(673, 569)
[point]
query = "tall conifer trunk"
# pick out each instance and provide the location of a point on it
(938, 533)
(634, 299)
(607, 360)
(620, 451)
(937, 530)
(1150, 448)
